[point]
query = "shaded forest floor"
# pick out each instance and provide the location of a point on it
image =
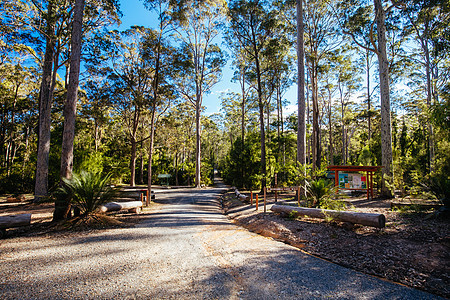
(413, 249)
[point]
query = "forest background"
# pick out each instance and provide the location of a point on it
(137, 104)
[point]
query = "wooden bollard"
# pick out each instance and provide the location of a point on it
(256, 201)
(265, 189)
(298, 195)
(276, 185)
(251, 198)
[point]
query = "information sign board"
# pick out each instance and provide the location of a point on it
(352, 181)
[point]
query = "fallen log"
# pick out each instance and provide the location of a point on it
(239, 195)
(15, 221)
(367, 219)
(132, 206)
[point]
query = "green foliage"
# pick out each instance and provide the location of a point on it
(365, 156)
(319, 192)
(439, 186)
(207, 173)
(242, 165)
(86, 190)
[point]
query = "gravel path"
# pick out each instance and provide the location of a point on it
(186, 249)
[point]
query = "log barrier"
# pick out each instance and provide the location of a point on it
(367, 219)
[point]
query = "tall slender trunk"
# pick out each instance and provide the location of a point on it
(301, 103)
(330, 131)
(70, 108)
(133, 161)
(261, 109)
(368, 97)
(386, 133)
(242, 121)
(316, 128)
(429, 97)
(45, 105)
(176, 169)
(308, 118)
(344, 130)
(150, 152)
(141, 167)
(198, 136)
(155, 85)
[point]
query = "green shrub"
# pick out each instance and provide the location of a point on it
(320, 193)
(87, 190)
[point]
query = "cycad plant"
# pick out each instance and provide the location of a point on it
(320, 192)
(87, 190)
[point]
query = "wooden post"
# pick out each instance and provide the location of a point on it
(251, 198)
(256, 201)
(276, 185)
(265, 189)
(336, 181)
(142, 197)
(371, 184)
(368, 184)
(298, 195)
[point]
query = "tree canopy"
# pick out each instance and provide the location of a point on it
(373, 74)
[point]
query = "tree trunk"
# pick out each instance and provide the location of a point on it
(150, 153)
(330, 133)
(242, 122)
(386, 134)
(198, 137)
(133, 162)
(155, 85)
(141, 168)
(45, 105)
(429, 97)
(316, 128)
(62, 209)
(301, 103)
(176, 169)
(368, 97)
(261, 110)
(70, 106)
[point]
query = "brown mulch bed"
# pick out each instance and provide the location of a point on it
(413, 249)
(42, 214)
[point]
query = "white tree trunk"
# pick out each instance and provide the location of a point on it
(386, 134)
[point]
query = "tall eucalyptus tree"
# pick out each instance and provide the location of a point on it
(355, 17)
(198, 25)
(251, 24)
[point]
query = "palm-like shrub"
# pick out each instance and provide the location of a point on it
(320, 193)
(87, 190)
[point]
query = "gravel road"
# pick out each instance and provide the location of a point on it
(186, 249)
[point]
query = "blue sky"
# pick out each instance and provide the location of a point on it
(134, 13)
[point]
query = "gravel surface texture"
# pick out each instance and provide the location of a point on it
(186, 249)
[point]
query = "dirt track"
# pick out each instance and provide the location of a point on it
(186, 248)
